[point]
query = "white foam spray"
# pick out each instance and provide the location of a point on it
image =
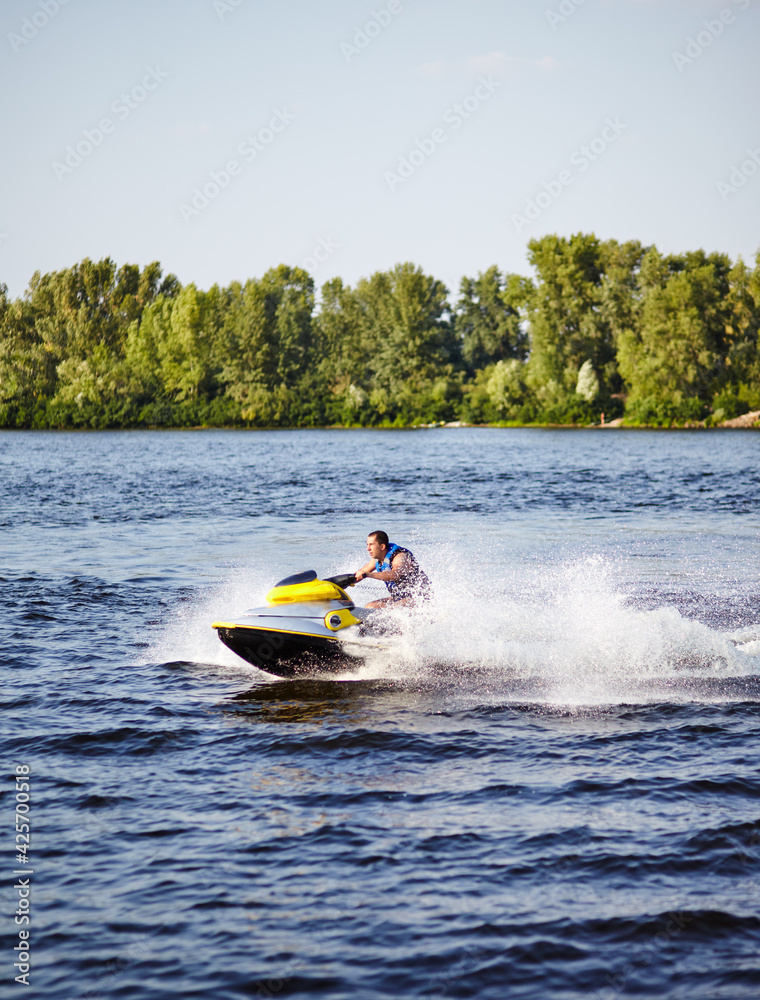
(567, 630)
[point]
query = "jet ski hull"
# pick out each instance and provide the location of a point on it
(309, 627)
(288, 654)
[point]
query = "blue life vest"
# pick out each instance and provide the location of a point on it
(413, 580)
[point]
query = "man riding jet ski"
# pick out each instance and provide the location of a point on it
(312, 626)
(397, 568)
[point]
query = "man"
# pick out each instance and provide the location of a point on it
(397, 568)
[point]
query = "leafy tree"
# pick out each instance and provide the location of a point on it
(92, 303)
(144, 348)
(489, 317)
(739, 388)
(267, 341)
(387, 348)
(588, 384)
(407, 335)
(96, 345)
(619, 307)
(585, 298)
(673, 362)
(27, 365)
(568, 291)
(342, 354)
(184, 350)
(340, 348)
(64, 340)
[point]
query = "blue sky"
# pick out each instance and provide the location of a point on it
(358, 135)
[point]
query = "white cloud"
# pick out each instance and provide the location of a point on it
(492, 62)
(432, 69)
(185, 131)
(546, 63)
(488, 63)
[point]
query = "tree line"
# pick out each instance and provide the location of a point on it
(601, 327)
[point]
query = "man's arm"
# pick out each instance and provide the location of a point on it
(366, 570)
(398, 565)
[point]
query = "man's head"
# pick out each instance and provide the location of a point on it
(377, 544)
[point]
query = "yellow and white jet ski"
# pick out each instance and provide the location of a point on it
(309, 626)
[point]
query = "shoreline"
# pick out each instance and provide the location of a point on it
(748, 422)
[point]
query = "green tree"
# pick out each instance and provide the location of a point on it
(410, 345)
(97, 345)
(739, 389)
(267, 342)
(27, 366)
(408, 324)
(64, 341)
(341, 353)
(569, 276)
(674, 361)
(585, 298)
(490, 316)
(144, 348)
(92, 303)
(184, 350)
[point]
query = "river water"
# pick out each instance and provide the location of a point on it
(550, 791)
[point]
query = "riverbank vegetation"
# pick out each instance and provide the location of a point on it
(600, 327)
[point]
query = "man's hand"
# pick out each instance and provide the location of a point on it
(366, 570)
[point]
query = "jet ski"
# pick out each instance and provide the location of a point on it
(309, 626)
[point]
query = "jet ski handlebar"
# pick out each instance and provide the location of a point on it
(342, 580)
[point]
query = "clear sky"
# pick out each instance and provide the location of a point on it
(292, 124)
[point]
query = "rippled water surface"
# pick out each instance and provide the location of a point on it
(551, 790)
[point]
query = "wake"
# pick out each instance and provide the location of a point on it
(564, 634)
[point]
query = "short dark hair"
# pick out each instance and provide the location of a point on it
(381, 537)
